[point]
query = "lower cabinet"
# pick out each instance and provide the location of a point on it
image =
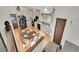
(40, 47)
(45, 29)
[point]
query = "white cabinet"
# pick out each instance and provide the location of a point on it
(29, 21)
(44, 27)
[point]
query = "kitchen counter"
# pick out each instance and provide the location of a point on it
(32, 45)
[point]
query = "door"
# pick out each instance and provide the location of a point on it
(59, 28)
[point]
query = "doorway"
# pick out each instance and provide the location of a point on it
(59, 29)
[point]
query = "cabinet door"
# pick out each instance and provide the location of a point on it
(46, 28)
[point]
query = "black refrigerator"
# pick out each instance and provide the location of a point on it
(22, 22)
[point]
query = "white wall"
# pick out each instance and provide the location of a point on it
(5, 11)
(71, 32)
(2, 47)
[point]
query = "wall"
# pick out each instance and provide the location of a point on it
(2, 47)
(71, 31)
(4, 15)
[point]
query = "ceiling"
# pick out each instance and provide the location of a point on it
(40, 7)
(50, 8)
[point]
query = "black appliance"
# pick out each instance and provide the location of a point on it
(38, 26)
(22, 22)
(36, 18)
(33, 23)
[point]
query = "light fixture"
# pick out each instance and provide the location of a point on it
(45, 9)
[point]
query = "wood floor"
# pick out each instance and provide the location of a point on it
(11, 44)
